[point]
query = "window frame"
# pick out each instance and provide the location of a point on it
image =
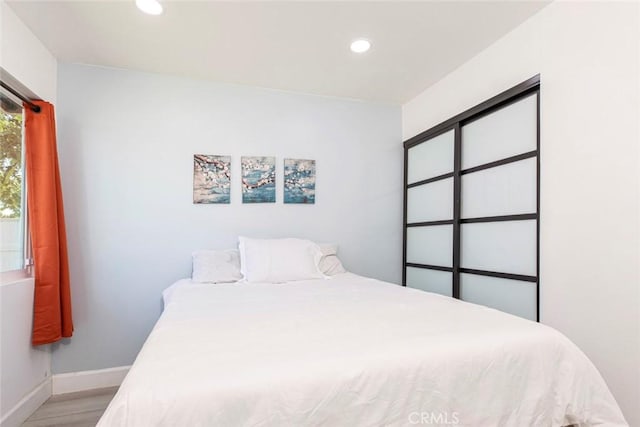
(26, 269)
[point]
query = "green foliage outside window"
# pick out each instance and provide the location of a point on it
(10, 164)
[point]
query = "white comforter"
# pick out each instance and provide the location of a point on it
(352, 351)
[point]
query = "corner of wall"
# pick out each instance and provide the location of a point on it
(22, 410)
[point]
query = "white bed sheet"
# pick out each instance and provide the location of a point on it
(352, 351)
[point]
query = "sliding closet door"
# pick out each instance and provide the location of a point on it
(429, 209)
(499, 216)
(472, 205)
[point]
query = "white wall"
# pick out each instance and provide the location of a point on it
(126, 142)
(23, 369)
(588, 55)
(25, 57)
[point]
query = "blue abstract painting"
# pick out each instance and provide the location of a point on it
(299, 181)
(258, 179)
(211, 179)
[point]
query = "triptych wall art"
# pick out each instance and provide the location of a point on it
(299, 181)
(212, 180)
(258, 179)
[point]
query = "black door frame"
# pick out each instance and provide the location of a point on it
(504, 99)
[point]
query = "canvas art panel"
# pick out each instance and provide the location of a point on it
(211, 179)
(299, 181)
(258, 179)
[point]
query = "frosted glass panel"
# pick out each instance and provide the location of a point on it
(431, 245)
(503, 190)
(512, 296)
(431, 158)
(509, 131)
(439, 282)
(430, 202)
(506, 247)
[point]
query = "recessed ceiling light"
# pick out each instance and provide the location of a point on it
(152, 7)
(360, 46)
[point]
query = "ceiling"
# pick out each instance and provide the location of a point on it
(296, 46)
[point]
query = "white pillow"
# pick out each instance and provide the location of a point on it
(279, 260)
(216, 266)
(330, 265)
(328, 249)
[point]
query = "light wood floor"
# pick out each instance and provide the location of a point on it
(82, 409)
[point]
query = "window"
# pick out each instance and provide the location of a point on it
(471, 214)
(12, 194)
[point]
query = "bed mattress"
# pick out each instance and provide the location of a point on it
(352, 351)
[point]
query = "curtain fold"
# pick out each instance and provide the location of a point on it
(52, 318)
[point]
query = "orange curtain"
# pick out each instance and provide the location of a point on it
(52, 299)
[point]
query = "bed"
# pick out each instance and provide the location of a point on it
(352, 351)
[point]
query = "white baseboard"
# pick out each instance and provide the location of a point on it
(27, 406)
(88, 380)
